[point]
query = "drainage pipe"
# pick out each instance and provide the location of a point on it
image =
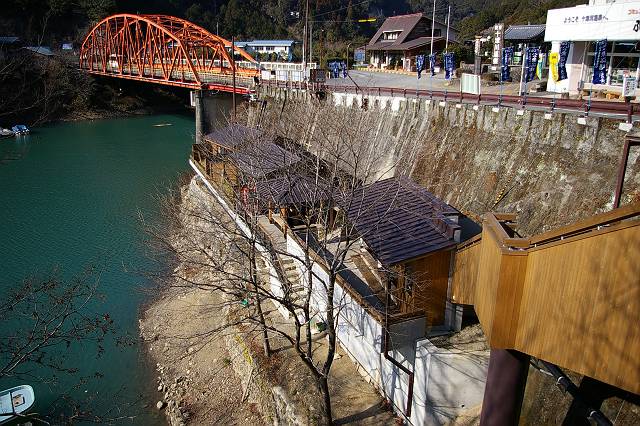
(566, 385)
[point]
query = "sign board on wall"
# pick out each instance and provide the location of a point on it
(614, 21)
(629, 86)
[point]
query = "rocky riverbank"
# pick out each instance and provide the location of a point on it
(196, 382)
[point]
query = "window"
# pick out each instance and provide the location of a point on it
(390, 35)
(622, 58)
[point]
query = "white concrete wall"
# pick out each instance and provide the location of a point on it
(445, 383)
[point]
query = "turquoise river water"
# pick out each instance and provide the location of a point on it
(71, 194)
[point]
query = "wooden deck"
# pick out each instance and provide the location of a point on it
(570, 296)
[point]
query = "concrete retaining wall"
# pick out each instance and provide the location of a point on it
(550, 169)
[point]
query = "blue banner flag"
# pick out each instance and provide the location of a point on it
(562, 62)
(505, 72)
(432, 64)
(449, 65)
(531, 63)
(600, 63)
(419, 64)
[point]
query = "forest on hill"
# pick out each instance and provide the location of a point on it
(35, 90)
(50, 21)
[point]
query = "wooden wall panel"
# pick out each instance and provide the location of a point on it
(581, 306)
(465, 274)
(432, 273)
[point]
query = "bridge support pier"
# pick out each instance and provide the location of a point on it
(199, 106)
(504, 391)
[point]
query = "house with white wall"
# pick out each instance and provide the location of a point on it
(617, 22)
(281, 49)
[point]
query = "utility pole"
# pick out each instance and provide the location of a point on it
(433, 21)
(446, 44)
(305, 40)
(233, 70)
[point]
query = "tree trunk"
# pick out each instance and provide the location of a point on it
(254, 280)
(326, 405)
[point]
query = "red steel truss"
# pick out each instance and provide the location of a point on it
(165, 50)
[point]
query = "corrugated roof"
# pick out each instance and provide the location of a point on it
(41, 50)
(524, 32)
(400, 220)
(231, 136)
(293, 189)
(260, 158)
(269, 43)
(8, 40)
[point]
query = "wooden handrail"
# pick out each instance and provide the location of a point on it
(622, 213)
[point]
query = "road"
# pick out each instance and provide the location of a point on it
(404, 81)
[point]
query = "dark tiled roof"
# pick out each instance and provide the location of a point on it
(261, 158)
(404, 23)
(408, 45)
(296, 189)
(524, 32)
(400, 220)
(232, 136)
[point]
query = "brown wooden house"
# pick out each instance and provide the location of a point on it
(402, 37)
(411, 234)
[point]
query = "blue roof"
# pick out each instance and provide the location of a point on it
(42, 50)
(8, 40)
(267, 43)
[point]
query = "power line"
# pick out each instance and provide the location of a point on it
(342, 8)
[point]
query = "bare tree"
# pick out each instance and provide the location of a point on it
(281, 233)
(44, 318)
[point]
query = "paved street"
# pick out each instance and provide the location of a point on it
(404, 81)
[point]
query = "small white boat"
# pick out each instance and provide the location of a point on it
(6, 133)
(15, 401)
(163, 125)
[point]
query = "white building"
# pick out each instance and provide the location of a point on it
(617, 21)
(282, 48)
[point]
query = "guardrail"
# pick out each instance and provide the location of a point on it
(584, 106)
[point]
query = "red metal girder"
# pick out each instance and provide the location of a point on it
(125, 45)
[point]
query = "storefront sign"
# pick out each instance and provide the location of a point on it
(614, 21)
(432, 64)
(554, 58)
(507, 55)
(449, 65)
(419, 64)
(531, 63)
(562, 60)
(629, 86)
(600, 63)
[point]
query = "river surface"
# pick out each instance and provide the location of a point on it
(71, 197)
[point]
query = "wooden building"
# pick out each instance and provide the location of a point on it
(400, 38)
(236, 157)
(410, 234)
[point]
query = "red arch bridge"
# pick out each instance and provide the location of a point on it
(165, 50)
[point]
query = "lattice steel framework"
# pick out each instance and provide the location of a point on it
(163, 49)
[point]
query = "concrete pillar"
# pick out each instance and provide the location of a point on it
(199, 106)
(504, 391)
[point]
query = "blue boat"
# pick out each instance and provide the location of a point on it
(20, 129)
(15, 401)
